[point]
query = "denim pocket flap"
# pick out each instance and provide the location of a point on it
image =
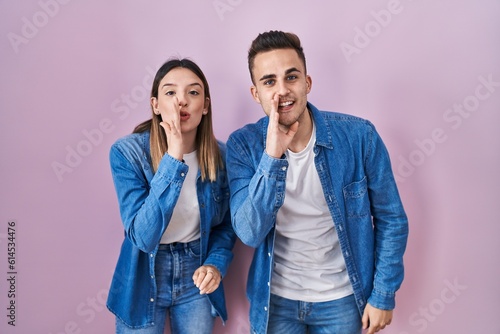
(356, 198)
(356, 189)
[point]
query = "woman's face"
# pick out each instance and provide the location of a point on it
(181, 91)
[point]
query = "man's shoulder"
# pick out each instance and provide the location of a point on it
(339, 117)
(338, 121)
(252, 130)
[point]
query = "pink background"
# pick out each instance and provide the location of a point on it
(75, 76)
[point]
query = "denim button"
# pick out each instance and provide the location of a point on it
(152, 300)
(151, 254)
(265, 308)
(269, 254)
(283, 168)
(182, 174)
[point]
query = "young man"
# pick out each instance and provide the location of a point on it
(314, 193)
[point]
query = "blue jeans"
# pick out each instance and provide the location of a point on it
(177, 296)
(339, 316)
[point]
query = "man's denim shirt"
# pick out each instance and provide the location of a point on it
(360, 190)
(146, 202)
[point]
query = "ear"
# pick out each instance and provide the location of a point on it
(308, 83)
(255, 94)
(205, 107)
(154, 105)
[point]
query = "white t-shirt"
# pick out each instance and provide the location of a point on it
(308, 263)
(184, 225)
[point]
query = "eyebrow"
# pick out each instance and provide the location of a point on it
(172, 84)
(272, 76)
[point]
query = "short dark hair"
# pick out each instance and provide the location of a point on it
(272, 40)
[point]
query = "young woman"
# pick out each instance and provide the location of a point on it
(173, 194)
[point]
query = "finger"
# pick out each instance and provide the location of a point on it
(274, 115)
(171, 112)
(364, 320)
(171, 129)
(199, 275)
(211, 286)
(199, 279)
(210, 275)
(166, 127)
(196, 274)
(176, 109)
(174, 126)
(213, 278)
(207, 288)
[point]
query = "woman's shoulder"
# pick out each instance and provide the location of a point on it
(133, 142)
(136, 137)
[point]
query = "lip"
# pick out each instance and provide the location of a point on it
(288, 105)
(184, 116)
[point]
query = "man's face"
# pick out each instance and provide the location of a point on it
(281, 72)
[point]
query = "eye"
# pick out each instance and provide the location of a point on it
(194, 92)
(170, 93)
(291, 77)
(269, 82)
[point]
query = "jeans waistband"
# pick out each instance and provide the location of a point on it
(179, 246)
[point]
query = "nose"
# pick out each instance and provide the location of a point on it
(283, 88)
(182, 99)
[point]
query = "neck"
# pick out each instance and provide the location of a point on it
(188, 142)
(304, 132)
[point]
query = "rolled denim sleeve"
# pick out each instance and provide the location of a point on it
(257, 191)
(145, 207)
(220, 245)
(390, 224)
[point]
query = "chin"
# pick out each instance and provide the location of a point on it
(287, 121)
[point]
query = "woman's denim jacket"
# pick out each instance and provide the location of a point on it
(146, 201)
(360, 190)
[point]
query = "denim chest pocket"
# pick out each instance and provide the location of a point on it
(356, 199)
